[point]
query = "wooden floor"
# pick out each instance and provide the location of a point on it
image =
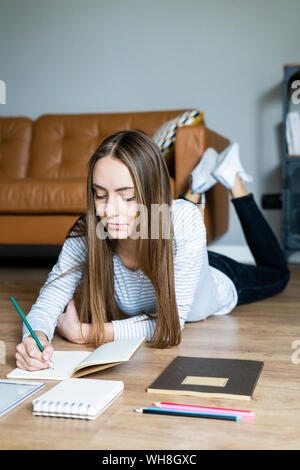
(265, 330)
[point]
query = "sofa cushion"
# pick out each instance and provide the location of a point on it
(62, 144)
(38, 196)
(166, 134)
(15, 140)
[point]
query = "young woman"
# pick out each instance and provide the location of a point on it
(139, 259)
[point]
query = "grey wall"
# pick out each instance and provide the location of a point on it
(222, 56)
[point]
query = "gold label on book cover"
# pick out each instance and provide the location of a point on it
(207, 381)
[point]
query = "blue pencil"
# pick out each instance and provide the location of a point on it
(160, 411)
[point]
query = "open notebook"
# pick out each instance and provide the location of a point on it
(78, 363)
(78, 398)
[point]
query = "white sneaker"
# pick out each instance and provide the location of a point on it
(228, 165)
(201, 178)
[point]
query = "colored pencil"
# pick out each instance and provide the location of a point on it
(208, 409)
(161, 411)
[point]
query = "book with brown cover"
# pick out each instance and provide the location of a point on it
(209, 377)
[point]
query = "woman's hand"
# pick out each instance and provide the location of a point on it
(68, 324)
(28, 355)
(69, 327)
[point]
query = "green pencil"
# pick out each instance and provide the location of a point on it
(28, 326)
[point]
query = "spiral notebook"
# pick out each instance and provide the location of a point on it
(78, 398)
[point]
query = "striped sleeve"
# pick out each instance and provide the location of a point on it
(134, 327)
(53, 299)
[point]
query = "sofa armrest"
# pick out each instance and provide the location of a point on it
(191, 143)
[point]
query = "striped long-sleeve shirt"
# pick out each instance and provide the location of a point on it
(201, 290)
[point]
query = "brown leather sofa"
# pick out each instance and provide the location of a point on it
(43, 170)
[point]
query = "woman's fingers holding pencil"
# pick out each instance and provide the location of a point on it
(47, 353)
(23, 361)
(37, 358)
(30, 364)
(29, 356)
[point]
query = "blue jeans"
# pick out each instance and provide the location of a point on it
(271, 274)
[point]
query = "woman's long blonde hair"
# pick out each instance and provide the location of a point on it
(151, 179)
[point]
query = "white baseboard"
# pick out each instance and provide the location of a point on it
(243, 254)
